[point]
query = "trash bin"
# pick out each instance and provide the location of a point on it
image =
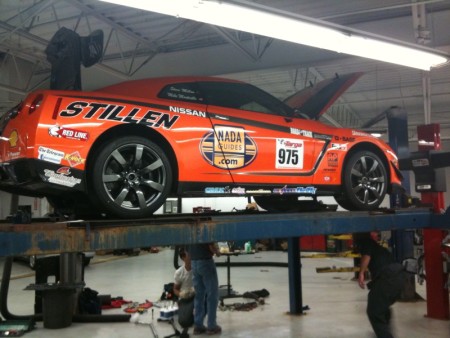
(57, 308)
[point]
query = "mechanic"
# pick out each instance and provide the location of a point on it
(183, 286)
(206, 286)
(387, 281)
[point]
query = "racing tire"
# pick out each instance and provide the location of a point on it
(32, 262)
(130, 177)
(364, 183)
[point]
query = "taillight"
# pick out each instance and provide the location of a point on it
(35, 103)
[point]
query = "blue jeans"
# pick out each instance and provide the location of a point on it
(206, 285)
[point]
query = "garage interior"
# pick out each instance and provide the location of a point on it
(141, 44)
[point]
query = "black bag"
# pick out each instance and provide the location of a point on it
(186, 312)
(168, 293)
(89, 302)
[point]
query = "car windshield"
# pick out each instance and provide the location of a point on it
(242, 96)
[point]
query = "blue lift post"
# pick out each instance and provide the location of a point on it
(45, 238)
(402, 241)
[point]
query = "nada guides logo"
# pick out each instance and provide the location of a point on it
(228, 147)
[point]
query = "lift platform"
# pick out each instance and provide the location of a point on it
(79, 236)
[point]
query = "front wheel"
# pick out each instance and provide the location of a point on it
(364, 183)
(130, 177)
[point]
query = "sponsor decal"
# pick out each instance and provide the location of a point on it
(305, 133)
(61, 177)
(329, 170)
(360, 133)
(113, 112)
(326, 178)
(13, 138)
(322, 136)
(298, 190)
(344, 139)
(289, 154)
(338, 146)
(215, 190)
(74, 159)
(50, 155)
(63, 171)
(259, 191)
(14, 154)
(69, 133)
(238, 190)
(187, 111)
(332, 159)
(228, 148)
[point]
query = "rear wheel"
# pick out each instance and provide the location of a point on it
(364, 182)
(130, 177)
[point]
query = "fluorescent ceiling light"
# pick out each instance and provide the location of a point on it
(266, 21)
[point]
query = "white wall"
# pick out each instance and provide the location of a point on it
(39, 206)
(224, 204)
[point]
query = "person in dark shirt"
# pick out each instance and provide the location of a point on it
(387, 281)
(206, 286)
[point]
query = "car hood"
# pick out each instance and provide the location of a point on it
(313, 101)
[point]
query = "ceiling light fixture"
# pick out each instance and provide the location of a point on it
(266, 21)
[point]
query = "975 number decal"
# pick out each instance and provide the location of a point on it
(289, 154)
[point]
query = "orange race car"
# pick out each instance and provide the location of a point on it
(122, 150)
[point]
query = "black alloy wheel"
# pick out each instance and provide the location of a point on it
(364, 182)
(131, 177)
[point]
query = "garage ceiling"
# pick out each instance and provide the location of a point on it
(142, 44)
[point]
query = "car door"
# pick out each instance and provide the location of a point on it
(255, 138)
(193, 126)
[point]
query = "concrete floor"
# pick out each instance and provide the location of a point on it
(337, 304)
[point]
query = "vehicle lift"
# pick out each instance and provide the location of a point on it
(70, 237)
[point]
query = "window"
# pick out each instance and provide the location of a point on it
(242, 96)
(187, 92)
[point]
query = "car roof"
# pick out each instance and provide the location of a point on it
(152, 86)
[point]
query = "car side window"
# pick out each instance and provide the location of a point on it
(187, 92)
(242, 96)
